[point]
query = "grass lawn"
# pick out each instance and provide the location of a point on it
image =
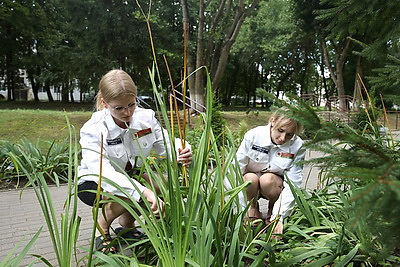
(242, 121)
(47, 121)
(35, 125)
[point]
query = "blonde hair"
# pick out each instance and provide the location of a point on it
(113, 84)
(279, 119)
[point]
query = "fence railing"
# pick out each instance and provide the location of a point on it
(393, 120)
(334, 102)
(312, 99)
(187, 101)
(143, 104)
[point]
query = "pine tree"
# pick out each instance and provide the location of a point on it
(365, 162)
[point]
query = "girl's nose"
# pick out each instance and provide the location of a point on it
(127, 112)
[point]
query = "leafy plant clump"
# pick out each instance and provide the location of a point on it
(52, 162)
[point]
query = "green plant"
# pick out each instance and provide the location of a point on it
(16, 261)
(53, 164)
(361, 120)
(64, 237)
(201, 226)
(218, 124)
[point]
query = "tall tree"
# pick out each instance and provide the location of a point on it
(217, 25)
(272, 40)
(371, 22)
(19, 23)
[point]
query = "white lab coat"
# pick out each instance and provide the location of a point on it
(119, 146)
(258, 154)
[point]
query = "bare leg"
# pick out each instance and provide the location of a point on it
(271, 186)
(252, 192)
(112, 210)
(126, 220)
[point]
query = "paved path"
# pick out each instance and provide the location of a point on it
(21, 217)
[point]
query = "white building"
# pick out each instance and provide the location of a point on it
(26, 93)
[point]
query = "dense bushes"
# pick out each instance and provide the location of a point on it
(52, 161)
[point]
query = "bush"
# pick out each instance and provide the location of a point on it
(53, 163)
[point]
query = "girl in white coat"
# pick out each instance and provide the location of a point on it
(267, 156)
(129, 134)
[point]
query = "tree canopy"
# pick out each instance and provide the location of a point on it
(323, 47)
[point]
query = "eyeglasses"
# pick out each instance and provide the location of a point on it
(121, 109)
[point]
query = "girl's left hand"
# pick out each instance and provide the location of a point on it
(185, 156)
(278, 230)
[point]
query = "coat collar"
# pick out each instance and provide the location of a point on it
(114, 130)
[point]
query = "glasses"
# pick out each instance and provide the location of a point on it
(121, 109)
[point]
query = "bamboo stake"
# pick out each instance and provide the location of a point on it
(146, 17)
(175, 104)
(185, 44)
(181, 132)
(387, 120)
(369, 99)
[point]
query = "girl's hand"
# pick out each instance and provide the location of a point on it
(151, 197)
(278, 230)
(185, 156)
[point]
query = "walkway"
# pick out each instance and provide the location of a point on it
(21, 217)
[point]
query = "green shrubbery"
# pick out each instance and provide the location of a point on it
(351, 220)
(52, 162)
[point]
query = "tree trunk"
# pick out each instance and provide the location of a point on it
(337, 74)
(64, 93)
(35, 85)
(217, 48)
(71, 95)
(10, 81)
(10, 78)
(303, 88)
(47, 89)
(240, 16)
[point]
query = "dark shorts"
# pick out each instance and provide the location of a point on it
(88, 198)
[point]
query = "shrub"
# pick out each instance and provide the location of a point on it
(51, 162)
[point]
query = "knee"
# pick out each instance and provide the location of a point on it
(267, 180)
(251, 177)
(272, 183)
(113, 209)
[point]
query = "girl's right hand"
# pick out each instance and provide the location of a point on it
(151, 197)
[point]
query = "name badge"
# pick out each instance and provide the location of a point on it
(260, 149)
(286, 155)
(113, 142)
(143, 132)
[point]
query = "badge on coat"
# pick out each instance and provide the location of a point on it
(260, 149)
(286, 155)
(115, 141)
(143, 132)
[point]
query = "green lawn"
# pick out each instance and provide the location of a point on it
(47, 121)
(35, 125)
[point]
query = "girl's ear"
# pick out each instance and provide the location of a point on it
(272, 120)
(104, 103)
